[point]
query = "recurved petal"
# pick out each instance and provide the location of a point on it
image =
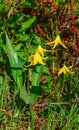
(66, 68)
(55, 44)
(61, 43)
(70, 66)
(50, 43)
(41, 50)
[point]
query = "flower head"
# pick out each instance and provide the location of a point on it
(64, 70)
(56, 42)
(37, 57)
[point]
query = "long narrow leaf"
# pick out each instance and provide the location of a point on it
(28, 98)
(12, 55)
(14, 61)
(37, 72)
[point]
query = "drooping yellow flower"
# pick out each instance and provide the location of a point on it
(64, 70)
(56, 42)
(37, 58)
(41, 50)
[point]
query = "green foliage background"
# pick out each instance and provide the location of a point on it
(22, 87)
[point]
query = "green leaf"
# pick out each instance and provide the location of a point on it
(12, 55)
(28, 98)
(15, 64)
(23, 37)
(37, 72)
(27, 24)
(37, 40)
(49, 82)
(36, 76)
(1, 6)
(36, 90)
(46, 70)
(18, 46)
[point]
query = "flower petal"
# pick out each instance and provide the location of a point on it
(61, 43)
(50, 43)
(41, 50)
(61, 71)
(55, 44)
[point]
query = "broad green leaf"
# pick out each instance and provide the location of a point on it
(37, 72)
(46, 70)
(12, 55)
(49, 82)
(28, 98)
(15, 64)
(36, 76)
(27, 24)
(36, 90)
(17, 75)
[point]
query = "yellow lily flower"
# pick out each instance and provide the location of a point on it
(56, 42)
(64, 70)
(37, 59)
(41, 50)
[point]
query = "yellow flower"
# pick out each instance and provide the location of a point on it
(37, 59)
(65, 70)
(56, 42)
(41, 50)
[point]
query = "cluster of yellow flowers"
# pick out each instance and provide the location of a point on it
(38, 57)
